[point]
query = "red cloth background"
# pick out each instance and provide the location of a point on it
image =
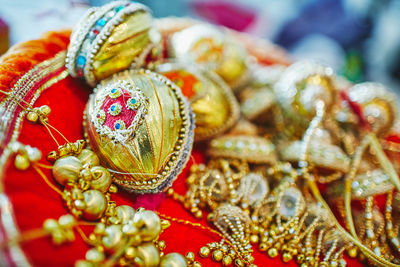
(33, 201)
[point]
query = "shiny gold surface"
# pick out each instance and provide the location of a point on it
(125, 43)
(144, 161)
(212, 101)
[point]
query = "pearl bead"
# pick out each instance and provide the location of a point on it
(96, 204)
(87, 156)
(113, 237)
(102, 179)
(148, 255)
(66, 169)
(149, 224)
(173, 260)
(125, 213)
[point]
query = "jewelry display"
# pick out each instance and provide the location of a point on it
(275, 161)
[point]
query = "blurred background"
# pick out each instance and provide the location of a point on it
(359, 38)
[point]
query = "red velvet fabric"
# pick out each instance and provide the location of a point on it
(33, 201)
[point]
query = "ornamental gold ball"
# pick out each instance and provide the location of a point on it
(101, 179)
(66, 169)
(149, 224)
(148, 255)
(113, 237)
(125, 213)
(87, 156)
(173, 260)
(141, 127)
(96, 204)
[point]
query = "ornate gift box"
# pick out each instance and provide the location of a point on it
(135, 141)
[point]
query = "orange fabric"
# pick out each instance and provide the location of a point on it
(22, 57)
(33, 201)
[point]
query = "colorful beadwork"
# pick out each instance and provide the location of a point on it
(132, 103)
(115, 109)
(115, 93)
(119, 125)
(101, 116)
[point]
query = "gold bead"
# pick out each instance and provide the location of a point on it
(254, 239)
(94, 255)
(165, 224)
(22, 162)
(173, 260)
(227, 260)
(149, 255)
(255, 229)
(125, 213)
(204, 252)
(286, 257)
(45, 110)
(50, 225)
(263, 247)
(161, 244)
(66, 169)
(96, 204)
(87, 156)
(190, 256)
(149, 224)
(352, 252)
(198, 214)
(130, 229)
(67, 221)
(272, 252)
(217, 255)
(303, 265)
(130, 253)
(239, 263)
(300, 258)
(196, 264)
(101, 179)
(32, 116)
(113, 238)
(113, 189)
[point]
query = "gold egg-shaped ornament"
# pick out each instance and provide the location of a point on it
(214, 48)
(300, 87)
(377, 104)
(213, 103)
(111, 38)
(142, 128)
